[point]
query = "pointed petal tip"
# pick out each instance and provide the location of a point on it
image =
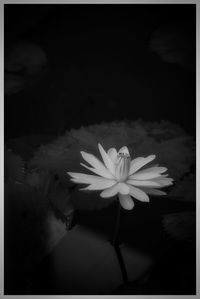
(153, 156)
(82, 153)
(100, 147)
(82, 164)
(107, 160)
(162, 193)
(70, 173)
(153, 191)
(84, 189)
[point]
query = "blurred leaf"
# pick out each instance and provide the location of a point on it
(175, 43)
(60, 199)
(26, 145)
(185, 189)
(13, 166)
(181, 226)
(87, 200)
(31, 228)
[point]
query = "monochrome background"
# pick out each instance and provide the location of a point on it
(68, 66)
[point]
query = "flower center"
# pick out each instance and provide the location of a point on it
(122, 166)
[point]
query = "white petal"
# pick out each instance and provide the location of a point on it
(126, 201)
(123, 188)
(153, 191)
(149, 173)
(144, 176)
(97, 164)
(110, 191)
(144, 183)
(138, 194)
(163, 181)
(134, 162)
(83, 178)
(103, 173)
(156, 169)
(112, 153)
(124, 150)
(100, 185)
(138, 163)
(107, 160)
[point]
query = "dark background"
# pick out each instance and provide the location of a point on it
(100, 66)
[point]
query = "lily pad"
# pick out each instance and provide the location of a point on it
(13, 166)
(181, 226)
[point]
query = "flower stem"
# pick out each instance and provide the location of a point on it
(121, 263)
(115, 243)
(116, 231)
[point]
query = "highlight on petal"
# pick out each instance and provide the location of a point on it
(112, 152)
(164, 181)
(100, 172)
(97, 164)
(144, 176)
(138, 194)
(107, 160)
(143, 183)
(149, 173)
(158, 169)
(100, 185)
(126, 201)
(110, 191)
(138, 163)
(123, 188)
(82, 178)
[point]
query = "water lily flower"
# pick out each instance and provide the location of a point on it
(118, 175)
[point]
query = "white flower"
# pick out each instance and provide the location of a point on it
(118, 175)
(174, 148)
